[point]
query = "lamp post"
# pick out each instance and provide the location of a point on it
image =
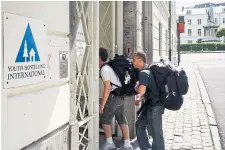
(180, 29)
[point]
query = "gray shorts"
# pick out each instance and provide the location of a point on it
(113, 106)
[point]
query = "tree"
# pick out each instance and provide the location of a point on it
(220, 33)
(199, 40)
(25, 51)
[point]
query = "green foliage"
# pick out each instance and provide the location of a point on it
(220, 33)
(203, 47)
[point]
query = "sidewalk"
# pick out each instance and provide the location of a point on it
(190, 128)
(193, 127)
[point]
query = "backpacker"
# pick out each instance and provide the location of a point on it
(172, 84)
(126, 73)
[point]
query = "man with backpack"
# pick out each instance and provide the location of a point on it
(150, 117)
(112, 103)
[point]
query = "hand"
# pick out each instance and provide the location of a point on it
(101, 108)
(137, 99)
(137, 102)
(136, 86)
(137, 83)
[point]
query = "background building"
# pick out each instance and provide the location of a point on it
(197, 25)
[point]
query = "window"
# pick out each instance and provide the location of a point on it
(188, 12)
(199, 21)
(216, 20)
(223, 20)
(167, 52)
(189, 32)
(189, 41)
(160, 39)
(189, 21)
(172, 40)
(199, 32)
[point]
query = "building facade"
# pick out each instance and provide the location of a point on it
(197, 25)
(163, 30)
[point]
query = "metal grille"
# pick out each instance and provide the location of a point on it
(106, 23)
(107, 35)
(84, 103)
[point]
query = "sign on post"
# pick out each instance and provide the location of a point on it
(80, 44)
(24, 51)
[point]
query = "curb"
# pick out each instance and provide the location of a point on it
(211, 118)
(195, 52)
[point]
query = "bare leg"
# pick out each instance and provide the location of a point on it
(125, 131)
(107, 130)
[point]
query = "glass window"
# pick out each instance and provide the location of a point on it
(189, 32)
(189, 21)
(199, 32)
(199, 21)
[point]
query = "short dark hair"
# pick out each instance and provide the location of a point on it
(141, 55)
(103, 54)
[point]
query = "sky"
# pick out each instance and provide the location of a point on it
(186, 3)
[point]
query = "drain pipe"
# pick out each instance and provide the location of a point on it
(148, 34)
(170, 42)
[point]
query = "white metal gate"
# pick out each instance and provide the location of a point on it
(107, 26)
(107, 34)
(84, 36)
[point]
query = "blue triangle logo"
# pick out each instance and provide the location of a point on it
(28, 51)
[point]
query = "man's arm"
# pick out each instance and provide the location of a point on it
(144, 79)
(105, 74)
(106, 92)
(141, 90)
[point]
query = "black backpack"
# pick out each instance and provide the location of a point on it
(171, 82)
(126, 73)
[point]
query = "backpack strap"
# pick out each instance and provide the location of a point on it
(157, 84)
(114, 84)
(147, 67)
(147, 102)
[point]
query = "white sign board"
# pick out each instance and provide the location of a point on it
(25, 49)
(80, 44)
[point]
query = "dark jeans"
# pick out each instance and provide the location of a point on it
(152, 121)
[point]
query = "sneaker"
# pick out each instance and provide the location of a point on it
(108, 146)
(125, 148)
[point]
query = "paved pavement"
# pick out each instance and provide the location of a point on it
(188, 128)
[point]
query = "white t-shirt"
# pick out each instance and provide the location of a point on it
(108, 74)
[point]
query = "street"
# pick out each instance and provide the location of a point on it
(212, 70)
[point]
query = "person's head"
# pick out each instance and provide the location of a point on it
(103, 56)
(139, 60)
